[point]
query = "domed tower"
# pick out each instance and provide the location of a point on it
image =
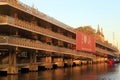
(100, 35)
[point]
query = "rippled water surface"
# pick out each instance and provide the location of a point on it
(101, 71)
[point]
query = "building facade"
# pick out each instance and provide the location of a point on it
(29, 38)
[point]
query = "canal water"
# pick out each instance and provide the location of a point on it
(101, 71)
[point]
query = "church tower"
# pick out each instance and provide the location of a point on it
(98, 30)
(100, 35)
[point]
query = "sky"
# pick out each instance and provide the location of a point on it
(76, 13)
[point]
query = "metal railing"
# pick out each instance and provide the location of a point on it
(102, 51)
(26, 43)
(108, 45)
(35, 12)
(34, 28)
(41, 15)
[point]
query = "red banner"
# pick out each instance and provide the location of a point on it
(85, 42)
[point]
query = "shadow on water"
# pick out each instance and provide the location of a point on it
(84, 72)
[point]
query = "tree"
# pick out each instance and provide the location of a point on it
(87, 30)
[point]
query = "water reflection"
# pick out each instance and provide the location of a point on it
(9, 77)
(85, 72)
(28, 76)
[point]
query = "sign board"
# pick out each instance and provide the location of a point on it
(85, 42)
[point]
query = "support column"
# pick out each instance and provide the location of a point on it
(105, 59)
(95, 59)
(69, 62)
(12, 69)
(90, 62)
(98, 59)
(58, 61)
(84, 62)
(33, 65)
(48, 62)
(76, 62)
(101, 59)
